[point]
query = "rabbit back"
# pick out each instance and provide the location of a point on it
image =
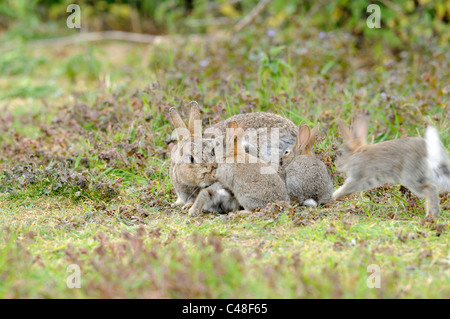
(259, 120)
(259, 132)
(307, 178)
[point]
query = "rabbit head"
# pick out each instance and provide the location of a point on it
(353, 139)
(193, 157)
(303, 144)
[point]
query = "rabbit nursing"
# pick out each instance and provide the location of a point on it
(249, 179)
(193, 159)
(420, 164)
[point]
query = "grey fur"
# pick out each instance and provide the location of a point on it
(263, 122)
(307, 178)
(241, 173)
(214, 198)
(305, 175)
(403, 161)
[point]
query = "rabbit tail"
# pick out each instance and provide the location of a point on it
(438, 162)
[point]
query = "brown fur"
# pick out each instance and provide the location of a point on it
(189, 178)
(241, 173)
(189, 170)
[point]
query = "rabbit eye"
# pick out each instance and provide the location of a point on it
(191, 159)
(339, 153)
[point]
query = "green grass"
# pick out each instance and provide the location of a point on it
(80, 111)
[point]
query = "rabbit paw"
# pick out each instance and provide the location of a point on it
(187, 206)
(193, 212)
(337, 194)
(179, 202)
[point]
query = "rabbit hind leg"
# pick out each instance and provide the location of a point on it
(432, 201)
(350, 186)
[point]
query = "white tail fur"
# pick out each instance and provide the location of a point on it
(437, 159)
(310, 202)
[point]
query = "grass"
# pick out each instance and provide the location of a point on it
(85, 155)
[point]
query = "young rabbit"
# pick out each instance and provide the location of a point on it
(241, 173)
(420, 164)
(214, 198)
(307, 178)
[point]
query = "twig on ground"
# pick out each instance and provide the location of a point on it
(251, 16)
(115, 35)
(143, 38)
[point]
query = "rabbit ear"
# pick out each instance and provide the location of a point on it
(302, 137)
(176, 118)
(236, 132)
(178, 123)
(240, 130)
(312, 138)
(231, 130)
(233, 125)
(194, 116)
(345, 131)
(359, 129)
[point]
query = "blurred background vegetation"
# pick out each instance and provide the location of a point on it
(403, 21)
(286, 40)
